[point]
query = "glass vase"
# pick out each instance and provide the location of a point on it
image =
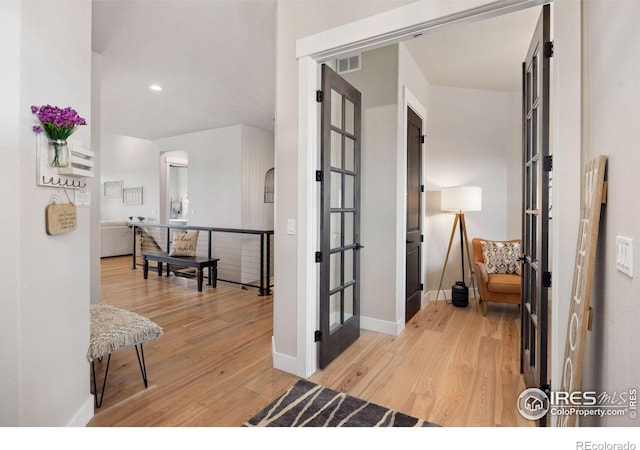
(58, 153)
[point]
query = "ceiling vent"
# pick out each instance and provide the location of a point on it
(350, 64)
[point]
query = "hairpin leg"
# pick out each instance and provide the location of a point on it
(143, 366)
(143, 370)
(98, 400)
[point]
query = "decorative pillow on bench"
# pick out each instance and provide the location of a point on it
(501, 257)
(184, 243)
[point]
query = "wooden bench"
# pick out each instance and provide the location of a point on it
(114, 329)
(197, 262)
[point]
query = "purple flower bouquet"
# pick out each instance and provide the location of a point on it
(58, 124)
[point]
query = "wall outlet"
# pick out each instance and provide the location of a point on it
(624, 255)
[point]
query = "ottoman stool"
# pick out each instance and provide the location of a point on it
(114, 329)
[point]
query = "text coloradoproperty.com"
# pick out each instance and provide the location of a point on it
(600, 412)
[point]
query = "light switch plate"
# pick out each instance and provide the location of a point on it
(624, 255)
(291, 226)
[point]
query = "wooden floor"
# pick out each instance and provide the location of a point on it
(213, 366)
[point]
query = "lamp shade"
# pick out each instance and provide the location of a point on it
(464, 198)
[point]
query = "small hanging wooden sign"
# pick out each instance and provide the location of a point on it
(61, 217)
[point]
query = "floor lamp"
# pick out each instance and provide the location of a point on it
(459, 199)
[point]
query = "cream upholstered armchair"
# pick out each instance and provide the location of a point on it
(497, 269)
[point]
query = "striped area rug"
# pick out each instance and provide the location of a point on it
(306, 404)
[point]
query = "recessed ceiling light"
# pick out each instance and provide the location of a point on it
(155, 87)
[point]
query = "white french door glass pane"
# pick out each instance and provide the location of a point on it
(336, 109)
(349, 188)
(335, 271)
(534, 83)
(534, 184)
(336, 150)
(349, 116)
(349, 158)
(534, 132)
(336, 230)
(348, 303)
(348, 266)
(334, 311)
(528, 139)
(534, 238)
(348, 228)
(336, 190)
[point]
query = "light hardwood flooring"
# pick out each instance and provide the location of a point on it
(213, 365)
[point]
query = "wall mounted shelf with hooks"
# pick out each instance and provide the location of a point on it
(72, 176)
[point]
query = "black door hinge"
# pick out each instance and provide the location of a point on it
(319, 96)
(548, 49)
(422, 138)
(422, 238)
(421, 286)
(317, 336)
(547, 163)
(318, 257)
(546, 279)
(546, 388)
(422, 188)
(318, 175)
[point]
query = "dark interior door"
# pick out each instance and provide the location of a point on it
(536, 278)
(339, 254)
(414, 209)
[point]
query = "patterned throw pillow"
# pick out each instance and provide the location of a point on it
(184, 243)
(501, 257)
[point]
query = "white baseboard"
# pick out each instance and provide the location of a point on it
(445, 294)
(284, 362)
(381, 326)
(83, 415)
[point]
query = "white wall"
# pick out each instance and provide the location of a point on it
(12, 119)
(226, 175)
(377, 81)
(135, 162)
(215, 168)
(45, 324)
(465, 146)
(257, 159)
(412, 77)
(514, 166)
(96, 191)
(611, 99)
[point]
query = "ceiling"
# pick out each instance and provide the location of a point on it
(214, 59)
(484, 55)
(216, 62)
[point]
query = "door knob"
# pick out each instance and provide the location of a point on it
(358, 246)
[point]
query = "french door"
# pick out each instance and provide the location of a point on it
(536, 277)
(413, 284)
(339, 254)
